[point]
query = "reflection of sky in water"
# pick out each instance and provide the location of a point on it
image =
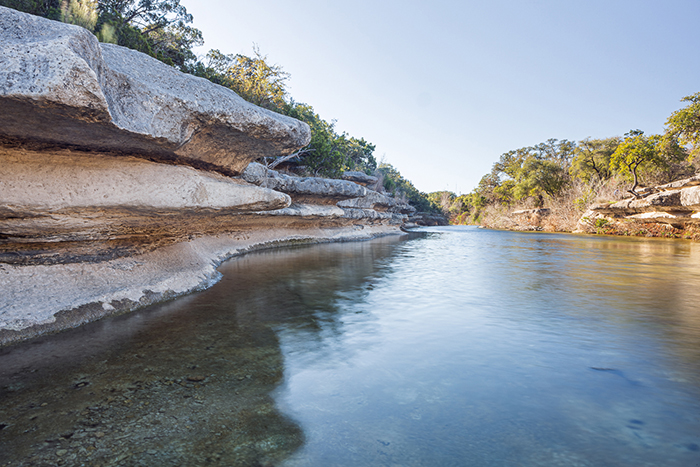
(466, 347)
(497, 348)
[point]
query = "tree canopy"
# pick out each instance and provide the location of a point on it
(684, 126)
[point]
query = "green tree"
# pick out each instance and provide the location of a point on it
(540, 177)
(531, 172)
(683, 126)
(159, 28)
(252, 78)
(560, 152)
(634, 152)
(329, 153)
(591, 160)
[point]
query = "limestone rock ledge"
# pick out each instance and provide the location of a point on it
(46, 298)
(676, 204)
(124, 181)
(60, 87)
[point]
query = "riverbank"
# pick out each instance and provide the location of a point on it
(308, 356)
(671, 210)
(126, 182)
(64, 296)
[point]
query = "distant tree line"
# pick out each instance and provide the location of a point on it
(163, 29)
(546, 173)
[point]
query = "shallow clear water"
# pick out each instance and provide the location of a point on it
(460, 346)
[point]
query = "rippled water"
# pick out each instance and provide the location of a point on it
(460, 346)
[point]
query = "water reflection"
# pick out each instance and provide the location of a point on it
(496, 348)
(461, 347)
(182, 383)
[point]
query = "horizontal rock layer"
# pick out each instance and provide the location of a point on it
(59, 87)
(99, 210)
(360, 177)
(44, 298)
(676, 203)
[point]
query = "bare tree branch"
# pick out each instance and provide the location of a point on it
(279, 160)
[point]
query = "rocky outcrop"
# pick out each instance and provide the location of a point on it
(675, 204)
(360, 177)
(428, 219)
(303, 189)
(60, 88)
(126, 182)
(348, 199)
(378, 202)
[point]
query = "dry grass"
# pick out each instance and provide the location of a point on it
(564, 211)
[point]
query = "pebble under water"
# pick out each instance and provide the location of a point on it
(459, 346)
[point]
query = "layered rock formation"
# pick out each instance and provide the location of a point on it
(125, 181)
(675, 205)
(427, 219)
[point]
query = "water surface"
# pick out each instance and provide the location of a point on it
(460, 347)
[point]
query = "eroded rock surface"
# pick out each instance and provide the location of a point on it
(360, 177)
(314, 190)
(303, 189)
(59, 87)
(120, 180)
(675, 204)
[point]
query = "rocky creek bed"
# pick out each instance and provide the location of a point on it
(163, 402)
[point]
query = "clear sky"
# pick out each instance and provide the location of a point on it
(443, 88)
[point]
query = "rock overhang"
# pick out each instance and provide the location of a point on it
(60, 87)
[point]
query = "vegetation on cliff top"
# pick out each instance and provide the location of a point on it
(163, 29)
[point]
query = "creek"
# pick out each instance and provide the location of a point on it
(457, 346)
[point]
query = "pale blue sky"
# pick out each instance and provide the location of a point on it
(443, 88)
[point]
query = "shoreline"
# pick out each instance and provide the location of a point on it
(65, 296)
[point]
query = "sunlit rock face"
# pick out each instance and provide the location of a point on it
(303, 188)
(674, 204)
(59, 87)
(121, 185)
(348, 199)
(360, 177)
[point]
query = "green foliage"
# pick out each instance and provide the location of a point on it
(462, 209)
(47, 8)
(329, 153)
(538, 177)
(80, 12)
(252, 78)
(634, 151)
(529, 173)
(107, 34)
(402, 188)
(159, 28)
(591, 162)
(683, 126)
